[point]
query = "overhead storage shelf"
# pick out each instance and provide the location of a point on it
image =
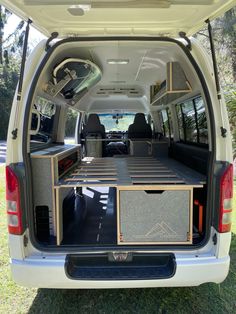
(175, 86)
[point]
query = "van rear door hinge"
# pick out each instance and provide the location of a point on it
(183, 35)
(14, 134)
(223, 131)
(214, 239)
(25, 240)
(53, 36)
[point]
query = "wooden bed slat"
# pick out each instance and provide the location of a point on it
(91, 179)
(153, 176)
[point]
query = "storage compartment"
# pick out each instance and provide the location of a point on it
(175, 86)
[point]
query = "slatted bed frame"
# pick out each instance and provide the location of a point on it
(130, 174)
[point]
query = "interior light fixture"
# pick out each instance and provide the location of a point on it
(79, 9)
(118, 61)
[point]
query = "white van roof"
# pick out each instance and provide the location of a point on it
(118, 17)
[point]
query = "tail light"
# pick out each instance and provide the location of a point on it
(226, 200)
(14, 213)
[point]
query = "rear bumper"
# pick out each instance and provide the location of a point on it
(49, 272)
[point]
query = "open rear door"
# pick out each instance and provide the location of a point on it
(118, 17)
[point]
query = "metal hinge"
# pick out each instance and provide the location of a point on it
(214, 239)
(54, 35)
(223, 131)
(14, 134)
(183, 35)
(25, 241)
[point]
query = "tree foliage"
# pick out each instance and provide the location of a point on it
(10, 49)
(11, 44)
(8, 81)
(231, 106)
(224, 34)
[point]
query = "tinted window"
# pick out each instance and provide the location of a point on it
(46, 112)
(71, 119)
(161, 122)
(171, 130)
(189, 120)
(192, 121)
(180, 122)
(165, 123)
(201, 121)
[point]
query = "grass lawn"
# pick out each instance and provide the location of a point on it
(208, 298)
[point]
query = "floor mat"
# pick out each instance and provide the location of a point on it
(99, 226)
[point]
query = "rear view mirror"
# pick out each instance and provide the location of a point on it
(35, 122)
(117, 116)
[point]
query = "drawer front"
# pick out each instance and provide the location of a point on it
(154, 217)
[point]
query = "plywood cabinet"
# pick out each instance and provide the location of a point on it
(161, 215)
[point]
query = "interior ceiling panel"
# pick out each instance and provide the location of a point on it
(144, 67)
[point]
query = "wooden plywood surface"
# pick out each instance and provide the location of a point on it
(130, 171)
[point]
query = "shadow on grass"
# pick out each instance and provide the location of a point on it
(208, 298)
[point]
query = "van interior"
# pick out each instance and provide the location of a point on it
(136, 174)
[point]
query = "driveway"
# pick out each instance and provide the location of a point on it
(3, 150)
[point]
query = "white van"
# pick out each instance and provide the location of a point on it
(144, 197)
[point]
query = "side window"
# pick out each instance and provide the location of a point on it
(192, 121)
(161, 122)
(201, 120)
(45, 112)
(171, 130)
(71, 119)
(189, 121)
(180, 122)
(165, 123)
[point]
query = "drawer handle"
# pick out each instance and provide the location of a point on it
(154, 191)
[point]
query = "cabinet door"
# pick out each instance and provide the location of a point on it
(159, 216)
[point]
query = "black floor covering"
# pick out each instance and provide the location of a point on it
(99, 224)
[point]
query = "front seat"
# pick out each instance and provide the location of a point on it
(94, 126)
(93, 132)
(140, 128)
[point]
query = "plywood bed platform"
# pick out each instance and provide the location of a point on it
(131, 171)
(143, 184)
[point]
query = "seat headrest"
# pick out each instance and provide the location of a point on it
(140, 118)
(93, 120)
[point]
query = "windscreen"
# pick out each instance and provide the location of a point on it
(116, 122)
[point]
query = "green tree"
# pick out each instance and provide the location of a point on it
(231, 106)
(10, 49)
(224, 34)
(11, 44)
(8, 81)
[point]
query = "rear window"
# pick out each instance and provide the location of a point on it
(192, 121)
